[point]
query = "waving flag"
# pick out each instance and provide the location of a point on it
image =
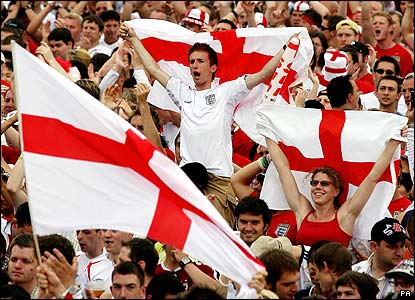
(348, 141)
(241, 51)
(88, 168)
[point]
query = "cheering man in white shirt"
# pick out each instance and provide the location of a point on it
(206, 114)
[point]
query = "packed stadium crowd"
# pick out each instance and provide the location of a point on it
(362, 61)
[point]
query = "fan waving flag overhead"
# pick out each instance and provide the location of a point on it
(88, 168)
(241, 51)
(348, 141)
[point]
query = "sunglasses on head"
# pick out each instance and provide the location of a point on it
(382, 71)
(322, 183)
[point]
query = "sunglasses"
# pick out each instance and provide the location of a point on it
(404, 284)
(382, 71)
(322, 183)
(324, 28)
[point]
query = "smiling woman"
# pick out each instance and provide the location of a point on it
(329, 220)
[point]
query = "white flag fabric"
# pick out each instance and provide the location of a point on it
(88, 168)
(241, 51)
(348, 141)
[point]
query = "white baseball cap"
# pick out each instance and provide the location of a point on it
(196, 16)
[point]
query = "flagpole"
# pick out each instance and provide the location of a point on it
(19, 116)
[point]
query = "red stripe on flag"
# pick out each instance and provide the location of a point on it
(232, 62)
(170, 224)
(330, 131)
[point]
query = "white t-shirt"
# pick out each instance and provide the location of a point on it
(110, 46)
(96, 269)
(206, 118)
(370, 100)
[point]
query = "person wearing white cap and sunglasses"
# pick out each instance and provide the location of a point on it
(207, 112)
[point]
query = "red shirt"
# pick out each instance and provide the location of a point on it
(283, 223)
(311, 232)
(241, 143)
(364, 86)
(396, 207)
(400, 54)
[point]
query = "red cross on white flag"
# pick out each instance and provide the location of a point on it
(348, 141)
(241, 51)
(88, 168)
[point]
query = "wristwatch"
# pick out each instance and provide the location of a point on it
(184, 261)
(75, 291)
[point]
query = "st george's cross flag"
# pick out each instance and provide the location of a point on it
(88, 168)
(348, 141)
(241, 51)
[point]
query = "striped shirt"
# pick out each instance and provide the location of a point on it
(385, 287)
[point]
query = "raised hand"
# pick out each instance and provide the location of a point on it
(126, 32)
(110, 96)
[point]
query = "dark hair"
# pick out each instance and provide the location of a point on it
(313, 16)
(213, 56)
(201, 293)
(94, 19)
(13, 291)
(323, 40)
(229, 22)
(110, 15)
(61, 34)
(22, 215)
(255, 206)
(388, 59)
(332, 21)
(314, 247)
(98, 60)
(163, 284)
(335, 177)
(17, 38)
(23, 241)
(9, 65)
(129, 83)
(276, 263)
(337, 258)
(352, 50)
(198, 174)
(48, 242)
(338, 90)
(390, 77)
(13, 30)
(143, 249)
(128, 267)
(366, 285)
(313, 103)
(83, 70)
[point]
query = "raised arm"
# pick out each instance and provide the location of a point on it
(14, 184)
(407, 27)
(241, 180)
(253, 80)
(149, 63)
(298, 203)
(367, 34)
(149, 128)
(349, 211)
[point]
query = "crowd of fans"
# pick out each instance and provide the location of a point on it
(363, 60)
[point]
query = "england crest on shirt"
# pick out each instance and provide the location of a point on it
(210, 99)
(282, 230)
